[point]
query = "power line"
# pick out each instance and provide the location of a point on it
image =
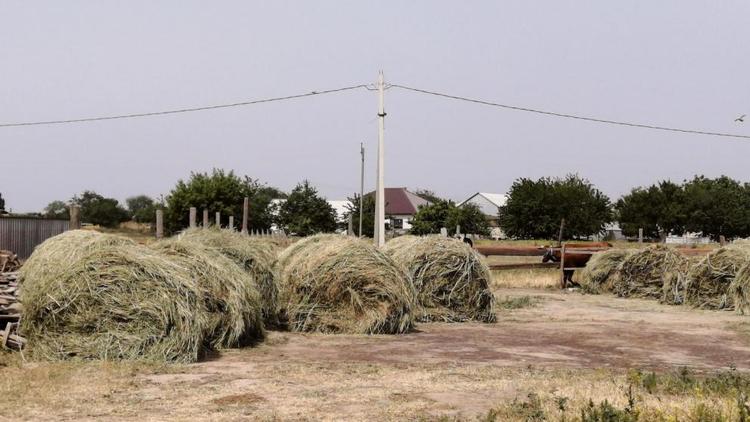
(570, 116)
(183, 110)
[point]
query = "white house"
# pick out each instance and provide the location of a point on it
(488, 203)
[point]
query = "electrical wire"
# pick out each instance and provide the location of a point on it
(569, 116)
(183, 110)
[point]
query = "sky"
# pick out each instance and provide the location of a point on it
(673, 63)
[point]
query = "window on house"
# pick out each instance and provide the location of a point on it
(398, 223)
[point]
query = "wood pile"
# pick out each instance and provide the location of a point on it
(8, 261)
(10, 312)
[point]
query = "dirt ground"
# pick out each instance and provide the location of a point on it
(566, 345)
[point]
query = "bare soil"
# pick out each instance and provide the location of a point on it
(568, 344)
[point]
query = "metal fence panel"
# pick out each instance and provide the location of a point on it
(22, 235)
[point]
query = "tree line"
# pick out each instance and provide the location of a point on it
(712, 207)
(302, 212)
(534, 208)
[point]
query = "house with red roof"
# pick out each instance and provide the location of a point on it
(400, 207)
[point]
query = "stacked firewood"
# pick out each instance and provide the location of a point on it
(8, 261)
(10, 312)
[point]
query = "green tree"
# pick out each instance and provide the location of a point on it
(57, 209)
(368, 215)
(305, 213)
(223, 192)
(429, 219)
(536, 207)
(659, 210)
(2, 204)
(98, 210)
(716, 207)
(428, 195)
(142, 209)
(470, 218)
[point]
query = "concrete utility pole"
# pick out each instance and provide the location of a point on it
(361, 185)
(379, 188)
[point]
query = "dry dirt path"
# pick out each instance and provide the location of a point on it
(568, 345)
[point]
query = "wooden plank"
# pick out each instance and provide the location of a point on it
(562, 267)
(523, 266)
(694, 251)
(510, 251)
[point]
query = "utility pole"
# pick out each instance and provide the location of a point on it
(361, 185)
(379, 188)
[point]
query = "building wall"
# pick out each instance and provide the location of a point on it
(488, 208)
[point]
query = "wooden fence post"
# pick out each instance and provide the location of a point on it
(159, 224)
(640, 235)
(218, 219)
(193, 217)
(562, 266)
(205, 218)
(231, 222)
(245, 214)
(75, 217)
(722, 240)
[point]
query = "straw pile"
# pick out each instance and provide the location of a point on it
(739, 290)
(339, 284)
(708, 281)
(657, 272)
(228, 292)
(94, 297)
(602, 270)
(451, 279)
(254, 255)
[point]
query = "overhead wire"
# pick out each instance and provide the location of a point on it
(182, 110)
(568, 116)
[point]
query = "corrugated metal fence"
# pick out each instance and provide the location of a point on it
(22, 235)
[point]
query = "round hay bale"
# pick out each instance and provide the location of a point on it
(57, 252)
(229, 293)
(602, 270)
(657, 272)
(110, 301)
(451, 279)
(739, 290)
(340, 284)
(708, 281)
(256, 256)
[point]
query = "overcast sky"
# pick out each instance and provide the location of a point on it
(676, 63)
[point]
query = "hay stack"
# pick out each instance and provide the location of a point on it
(339, 284)
(602, 270)
(229, 293)
(254, 255)
(739, 290)
(708, 281)
(86, 298)
(451, 279)
(657, 272)
(55, 253)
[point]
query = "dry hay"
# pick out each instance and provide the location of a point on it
(657, 272)
(110, 300)
(253, 254)
(55, 253)
(739, 290)
(229, 293)
(340, 284)
(602, 270)
(708, 281)
(451, 279)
